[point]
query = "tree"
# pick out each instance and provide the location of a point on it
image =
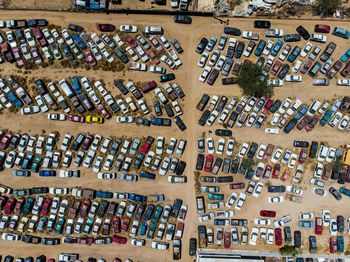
(253, 82)
(328, 7)
(337, 164)
(288, 251)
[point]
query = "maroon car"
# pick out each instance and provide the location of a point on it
(334, 69)
(322, 28)
(45, 208)
(278, 236)
(276, 171)
(87, 142)
(237, 185)
(89, 58)
(116, 224)
(3, 201)
(19, 206)
(5, 140)
(131, 41)
(327, 171)
(312, 123)
(346, 70)
(10, 205)
(227, 240)
(148, 87)
(306, 119)
(106, 27)
(267, 213)
(119, 240)
(104, 111)
(302, 156)
(86, 240)
(267, 172)
(76, 118)
(85, 208)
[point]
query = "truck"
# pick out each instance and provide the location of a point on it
(202, 236)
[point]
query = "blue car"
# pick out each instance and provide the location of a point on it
(137, 198)
(324, 120)
(221, 222)
(14, 99)
(259, 49)
(301, 112)
(77, 39)
(143, 228)
(291, 124)
(104, 194)
(277, 47)
(47, 173)
(294, 54)
(341, 32)
(345, 57)
(76, 85)
(67, 52)
(306, 224)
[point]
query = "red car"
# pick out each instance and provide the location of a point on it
(276, 171)
(302, 156)
(106, 27)
(285, 175)
(104, 111)
(267, 172)
(85, 208)
(76, 118)
(116, 224)
(267, 213)
(227, 240)
(209, 159)
(117, 260)
(278, 236)
(119, 240)
(10, 205)
(327, 171)
(148, 87)
(237, 185)
(89, 57)
(3, 201)
(45, 208)
(312, 123)
(131, 41)
(5, 141)
(276, 67)
(125, 224)
(306, 119)
(346, 70)
(19, 206)
(322, 28)
(318, 225)
(268, 104)
(147, 145)
(332, 245)
(86, 240)
(334, 69)
(39, 36)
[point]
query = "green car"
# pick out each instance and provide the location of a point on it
(151, 230)
(166, 77)
(59, 225)
(28, 206)
(344, 191)
(340, 244)
(36, 164)
(88, 225)
(216, 196)
(157, 213)
(341, 32)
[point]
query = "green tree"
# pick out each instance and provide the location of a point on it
(328, 7)
(337, 164)
(248, 163)
(253, 82)
(288, 251)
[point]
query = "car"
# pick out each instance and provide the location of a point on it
(275, 199)
(128, 28)
(303, 32)
(183, 19)
(335, 193)
(106, 27)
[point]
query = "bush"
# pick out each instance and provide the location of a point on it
(328, 7)
(288, 251)
(253, 82)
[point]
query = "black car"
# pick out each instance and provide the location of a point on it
(313, 149)
(252, 150)
(312, 244)
(223, 132)
(226, 165)
(157, 108)
(276, 189)
(204, 117)
(217, 164)
(262, 24)
(203, 102)
(103, 208)
(297, 239)
(239, 222)
(284, 71)
(303, 32)
(176, 208)
(229, 80)
(180, 168)
(234, 165)
(200, 162)
(39, 190)
(193, 246)
(298, 143)
(41, 258)
(275, 106)
(119, 53)
(225, 179)
(178, 121)
(335, 193)
(177, 249)
(208, 179)
(169, 111)
(292, 38)
(213, 76)
(121, 87)
(8, 259)
(75, 28)
(149, 212)
(232, 31)
(340, 224)
(183, 19)
(239, 49)
(201, 46)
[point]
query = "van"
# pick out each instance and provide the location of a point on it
(200, 205)
(66, 87)
(154, 30)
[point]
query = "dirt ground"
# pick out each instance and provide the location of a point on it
(187, 77)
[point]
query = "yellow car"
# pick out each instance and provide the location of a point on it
(94, 119)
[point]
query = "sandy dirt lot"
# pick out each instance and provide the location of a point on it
(187, 77)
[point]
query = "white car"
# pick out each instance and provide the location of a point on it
(205, 73)
(230, 147)
(333, 227)
(138, 242)
(203, 59)
(275, 82)
(306, 215)
(257, 189)
(262, 221)
(241, 199)
(210, 145)
(221, 145)
(274, 131)
(294, 190)
(261, 152)
(344, 122)
(128, 28)
(343, 82)
(157, 69)
(275, 199)
(59, 117)
(125, 119)
(276, 156)
(159, 145)
(293, 78)
(326, 217)
(231, 200)
(206, 217)
(243, 150)
(306, 49)
(253, 236)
